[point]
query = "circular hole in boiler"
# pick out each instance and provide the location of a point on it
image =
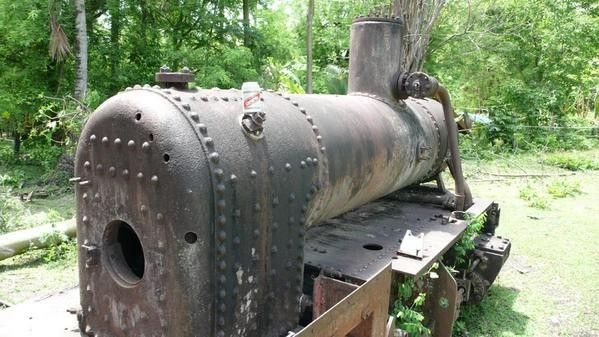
(372, 246)
(191, 237)
(166, 157)
(123, 253)
(151, 137)
(138, 116)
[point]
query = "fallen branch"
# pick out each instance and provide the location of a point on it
(525, 175)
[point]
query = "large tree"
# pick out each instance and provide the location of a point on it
(81, 53)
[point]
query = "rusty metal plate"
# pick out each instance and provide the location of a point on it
(442, 303)
(359, 243)
(366, 308)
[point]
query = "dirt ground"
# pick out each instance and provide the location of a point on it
(549, 286)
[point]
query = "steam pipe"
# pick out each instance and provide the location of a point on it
(462, 191)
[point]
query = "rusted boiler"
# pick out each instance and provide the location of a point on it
(195, 219)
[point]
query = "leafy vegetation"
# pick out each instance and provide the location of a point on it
(465, 245)
(572, 161)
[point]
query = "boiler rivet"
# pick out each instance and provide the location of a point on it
(233, 179)
(105, 140)
(97, 196)
(275, 202)
(275, 226)
(323, 149)
(195, 117)
(291, 197)
(209, 141)
(154, 179)
(302, 110)
(117, 142)
(92, 138)
(222, 235)
(315, 161)
(220, 188)
(294, 103)
(302, 164)
(131, 143)
(125, 173)
(219, 173)
(221, 204)
(222, 279)
(99, 168)
(288, 167)
(177, 98)
(112, 171)
(222, 220)
(145, 146)
(315, 128)
(87, 165)
(253, 174)
(257, 207)
(237, 240)
(222, 307)
(256, 232)
(222, 266)
(309, 119)
(186, 106)
(143, 209)
(159, 217)
(214, 157)
(204, 98)
(222, 250)
(84, 196)
(274, 249)
(202, 128)
(140, 176)
(271, 170)
(85, 220)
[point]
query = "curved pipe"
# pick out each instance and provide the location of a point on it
(462, 191)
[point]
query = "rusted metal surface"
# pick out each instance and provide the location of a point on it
(363, 312)
(375, 50)
(357, 244)
(442, 303)
(189, 226)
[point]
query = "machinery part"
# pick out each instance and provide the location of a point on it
(362, 313)
(179, 80)
(493, 252)
(478, 288)
(188, 226)
(411, 245)
(375, 50)
(442, 303)
(17, 242)
(421, 85)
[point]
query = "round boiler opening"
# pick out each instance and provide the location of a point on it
(123, 253)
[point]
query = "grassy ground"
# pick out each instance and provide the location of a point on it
(549, 286)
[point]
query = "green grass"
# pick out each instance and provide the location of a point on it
(550, 283)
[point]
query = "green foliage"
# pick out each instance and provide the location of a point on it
(528, 65)
(408, 305)
(11, 212)
(535, 198)
(465, 245)
(59, 246)
(572, 161)
(563, 188)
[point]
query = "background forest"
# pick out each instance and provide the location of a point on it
(528, 70)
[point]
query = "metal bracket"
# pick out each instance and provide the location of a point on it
(363, 312)
(411, 245)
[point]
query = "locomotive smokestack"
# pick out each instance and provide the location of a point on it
(375, 51)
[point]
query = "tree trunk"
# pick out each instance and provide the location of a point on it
(246, 23)
(81, 56)
(16, 148)
(309, 42)
(419, 18)
(115, 33)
